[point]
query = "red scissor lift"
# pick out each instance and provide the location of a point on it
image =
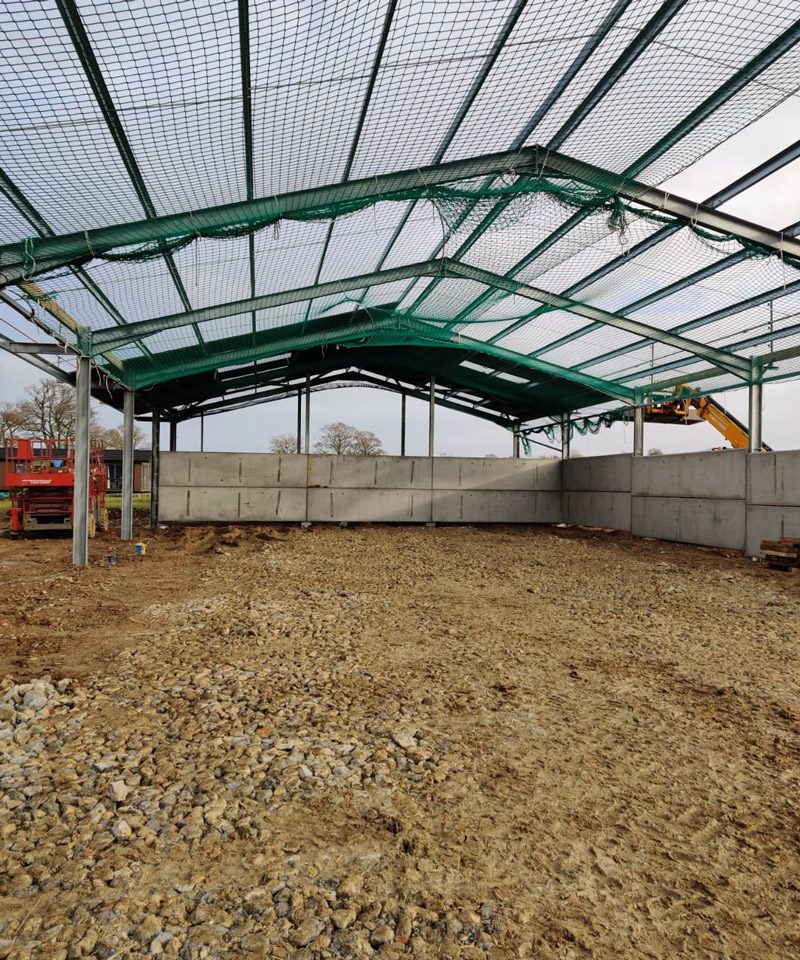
(40, 476)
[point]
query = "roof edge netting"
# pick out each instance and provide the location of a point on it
(209, 199)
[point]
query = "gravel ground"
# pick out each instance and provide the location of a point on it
(445, 743)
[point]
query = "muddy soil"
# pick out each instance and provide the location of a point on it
(388, 742)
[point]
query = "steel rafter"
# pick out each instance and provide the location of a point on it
(390, 332)
(247, 130)
(722, 94)
(373, 78)
(23, 206)
(745, 182)
(83, 48)
(466, 104)
(59, 251)
(738, 365)
(100, 339)
(640, 42)
(56, 251)
(539, 114)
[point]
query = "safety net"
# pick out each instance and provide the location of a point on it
(222, 201)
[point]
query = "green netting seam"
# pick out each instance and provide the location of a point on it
(450, 201)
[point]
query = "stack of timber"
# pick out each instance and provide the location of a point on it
(784, 554)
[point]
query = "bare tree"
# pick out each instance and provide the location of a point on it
(283, 443)
(114, 437)
(10, 423)
(48, 410)
(655, 452)
(340, 439)
(366, 444)
(335, 438)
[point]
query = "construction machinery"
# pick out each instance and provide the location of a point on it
(688, 410)
(40, 477)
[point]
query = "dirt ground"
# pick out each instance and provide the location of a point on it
(384, 742)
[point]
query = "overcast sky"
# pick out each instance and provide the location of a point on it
(773, 203)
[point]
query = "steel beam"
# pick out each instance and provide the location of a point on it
(80, 494)
(392, 333)
(36, 361)
(738, 365)
(83, 48)
(37, 348)
(127, 465)
(52, 252)
(155, 468)
(102, 340)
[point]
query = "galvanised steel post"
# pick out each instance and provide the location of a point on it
(126, 532)
(155, 468)
(754, 428)
(431, 417)
(402, 424)
(80, 493)
(638, 431)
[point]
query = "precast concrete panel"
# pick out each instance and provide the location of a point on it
(721, 475)
(708, 521)
(368, 506)
(770, 523)
(611, 474)
(774, 479)
(496, 506)
(174, 468)
(495, 473)
(394, 473)
(598, 509)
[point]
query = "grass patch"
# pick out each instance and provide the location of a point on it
(141, 501)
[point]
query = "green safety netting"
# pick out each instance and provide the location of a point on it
(223, 201)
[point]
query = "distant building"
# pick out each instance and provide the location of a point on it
(113, 462)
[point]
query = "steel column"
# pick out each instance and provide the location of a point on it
(515, 447)
(308, 416)
(638, 431)
(128, 402)
(155, 468)
(402, 424)
(754, 429)
(80, 494)
(173, 435)
(566, 432)
(299, 419)
(431, 416)
(202, 431)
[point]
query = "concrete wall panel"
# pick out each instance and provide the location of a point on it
(715, 523)
(770, 523)
(496, 506)
(774, 478)
(369, 506)
(600, 509)
(394, 473)
(495, 473)
(721, 475)
(611, 474)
